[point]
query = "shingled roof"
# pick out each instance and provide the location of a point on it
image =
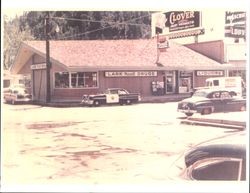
(140, 53)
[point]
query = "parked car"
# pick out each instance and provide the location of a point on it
(16, 94)
(206, 101)
(223, 158)
(111, 96)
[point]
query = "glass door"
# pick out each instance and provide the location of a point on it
(170, 82)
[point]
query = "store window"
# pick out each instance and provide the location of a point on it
(62, 80)
(90, 79)
(75, 79)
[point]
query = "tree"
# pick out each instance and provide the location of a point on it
(74, 25)
(86, 25)
(13, 36)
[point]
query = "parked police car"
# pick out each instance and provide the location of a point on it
(206, 101)
(111, 96)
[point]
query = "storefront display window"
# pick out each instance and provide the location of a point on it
(62, 80)
(75, 79)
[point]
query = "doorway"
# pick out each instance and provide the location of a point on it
(169, 82)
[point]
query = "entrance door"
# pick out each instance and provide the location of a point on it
(170, 81)
(185, 85)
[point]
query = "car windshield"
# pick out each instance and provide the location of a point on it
(200, 94)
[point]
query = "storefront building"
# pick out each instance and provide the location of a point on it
(90, 67)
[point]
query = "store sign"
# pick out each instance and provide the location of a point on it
(235, 31)
(186, 73)
(38, 66)
(209, 73)
(235, 24)
(235, 17)
(175, 21)
(130, 73)
(182, 20)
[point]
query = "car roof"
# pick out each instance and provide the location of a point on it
(232, 145)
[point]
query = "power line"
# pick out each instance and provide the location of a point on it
(94, 21)
(87, 32)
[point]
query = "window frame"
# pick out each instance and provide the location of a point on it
(70, 80)
(211, 161)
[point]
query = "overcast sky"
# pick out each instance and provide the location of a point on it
(17, 6)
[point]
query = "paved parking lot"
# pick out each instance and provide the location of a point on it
(110, 145)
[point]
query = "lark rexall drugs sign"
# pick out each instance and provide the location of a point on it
(130, 73)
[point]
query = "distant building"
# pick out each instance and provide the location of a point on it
(10, 79)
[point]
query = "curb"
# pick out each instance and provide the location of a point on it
(78, 104)
(240, 125)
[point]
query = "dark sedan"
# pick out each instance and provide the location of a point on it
(223, 158)
(207, 101)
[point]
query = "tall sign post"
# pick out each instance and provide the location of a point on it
(48, 65)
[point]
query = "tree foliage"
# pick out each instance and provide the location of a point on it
(74, 25)
(86, 25)
(13, 36)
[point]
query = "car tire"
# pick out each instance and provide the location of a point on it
(206, 111)
(96, 103)
(13, 102)
(189, 114)
(232, 94)
(243, 108)
(128, 102)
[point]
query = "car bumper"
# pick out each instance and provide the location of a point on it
(87, 102)
(187, 111)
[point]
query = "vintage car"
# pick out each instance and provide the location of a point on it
(206, 101)
(17, 94)
(111, 96)
(222, 158)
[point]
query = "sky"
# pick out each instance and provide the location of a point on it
(12, 6)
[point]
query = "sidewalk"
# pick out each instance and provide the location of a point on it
(233, 120)
(146, 99)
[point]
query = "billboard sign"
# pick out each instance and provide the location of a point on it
(175, 22)
(235, 24)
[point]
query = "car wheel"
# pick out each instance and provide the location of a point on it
(189, 114)
(206, 111)
(243, 108)
(96, 103)
(233, 94)
(128, 102)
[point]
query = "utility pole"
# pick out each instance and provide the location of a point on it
(48, 65)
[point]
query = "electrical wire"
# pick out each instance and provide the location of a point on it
(127, 22)
(93, 21)
(95, 30)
